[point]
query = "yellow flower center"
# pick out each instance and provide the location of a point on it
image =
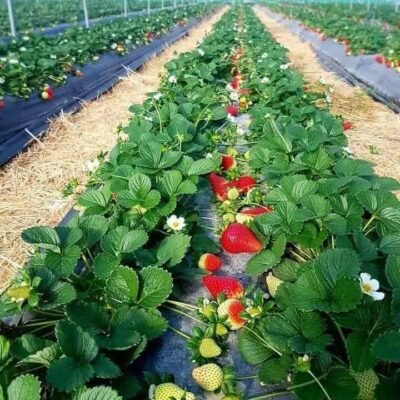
(366, 287)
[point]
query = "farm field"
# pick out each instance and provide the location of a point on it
(375, 32)
(233, 234)
(37, 14)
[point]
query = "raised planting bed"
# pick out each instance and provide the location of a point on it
(290, 278)
(21, 120)
(382, 83)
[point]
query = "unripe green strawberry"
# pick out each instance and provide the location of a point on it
(19, 293)
(233, 194)
(208, 310)
(367, 382)
(209, 349)
(221, 329)
(228, 218)
(168, 391)
(231, 151)
(209, 377)
(272, 284)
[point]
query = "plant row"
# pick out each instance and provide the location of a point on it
(46, 13)
(353, 30)
(37, 63)
(324, 231)
(87, 304)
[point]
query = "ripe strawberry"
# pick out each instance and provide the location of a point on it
(232, 308)
(347, 125)
(168, 391)
(228, 162)
(210, 262)
(272, 284)
(226, 285)
(47, 93)
(235, 83)
(248, 214)
(209, 377)
(238, 238)
(232, 110)
(367, 382)
(219, 186)
(380, 59)
(209, 348)
(244, 183)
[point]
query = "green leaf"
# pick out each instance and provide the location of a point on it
(43, 237)
(252, 347)
(28, 344)
(24, 387)
(104, 264)
(89, 316)
(262, 262)
(201, 167)
(393, 271)
(61, 293)
(156, 286)
(387, 347)
(172, 249)
(359, 351)
(75, 342)
(149, 322)
(44, 357)
(133, 240)
(339, 384)
(94, 227)
(105, 368)
(121, 240)
(122, 287)
(275, 370)
(95, 201)
(99, 393)
(68, 374)
(4, 349)
(390, 244)
(63, 264)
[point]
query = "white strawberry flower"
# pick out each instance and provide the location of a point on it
(22, 49)
(264, 55)
(2, 80)
(53, 56)
(283, 67)
(157, 96)
(234, 96)
(265, 80)
(370, 286)
(172, 79)
(231, 118)
(114, 46)
(25, 38)
(209, 155)
(91, 166)
(13, 61)
(176, 223)
(201, 52)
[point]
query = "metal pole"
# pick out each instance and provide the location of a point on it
(148, 7)
(125, 8)
(11, 18)
(85, 11)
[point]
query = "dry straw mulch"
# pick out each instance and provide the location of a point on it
(31, 185)
(375, 136)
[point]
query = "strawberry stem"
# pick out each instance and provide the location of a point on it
(181, 304)
(185, 314)
(178, 332)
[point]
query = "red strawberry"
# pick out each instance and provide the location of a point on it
(244, 183)
(380, 59)
(219, 186)
(232, 110)
(227, 162)
(238, 238)
(248, 214)
(47, 93)
(232, 308)
(235, 83)
(347, 125)
(226, 285)
(2, 104)
(210, 262)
